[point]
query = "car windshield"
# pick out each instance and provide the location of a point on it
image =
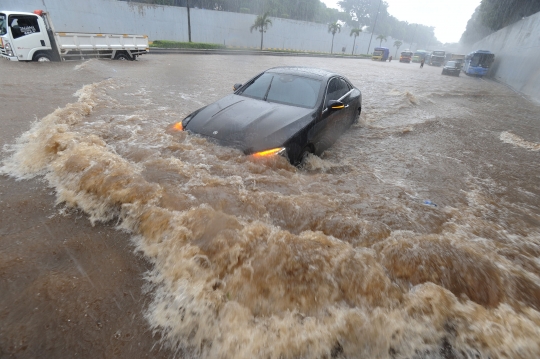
(284, 88)
(451, 64)
(3, 29)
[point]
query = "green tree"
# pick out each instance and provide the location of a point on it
(497, 14)
(333, 29)
(397, 44)
(261, 24)
(356, 33)
(381, 38)
(475, 30)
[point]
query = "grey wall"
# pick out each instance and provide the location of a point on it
(170, 23)
(517, 55)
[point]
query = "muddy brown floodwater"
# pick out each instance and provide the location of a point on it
(415, 236)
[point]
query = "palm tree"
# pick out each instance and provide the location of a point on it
(333, 28)
(397, 44)
(356, 33)
(261, 23)
(381, 37)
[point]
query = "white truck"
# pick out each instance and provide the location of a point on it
(28, 36)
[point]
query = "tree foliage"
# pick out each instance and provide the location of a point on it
(261, 24)
(381, 38)
(305, 10)
(397, 45)
(356, 33)
(356, 13)
(362, 14)
(496, 14)
(333, 28)
(493, 15)
(475, 30)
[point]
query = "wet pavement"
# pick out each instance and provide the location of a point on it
(415, 235)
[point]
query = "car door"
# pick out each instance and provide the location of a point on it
(26, 34)
(331, 122)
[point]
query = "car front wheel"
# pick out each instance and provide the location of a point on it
(303, 158)
(41, 57)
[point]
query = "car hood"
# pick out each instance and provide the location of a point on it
(248, 124)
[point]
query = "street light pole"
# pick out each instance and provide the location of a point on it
(375, 24)
(188, 22)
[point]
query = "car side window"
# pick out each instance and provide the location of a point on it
(337, 87)
(22, 25)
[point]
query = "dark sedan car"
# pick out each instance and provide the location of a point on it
(451, 68)
(290, 111)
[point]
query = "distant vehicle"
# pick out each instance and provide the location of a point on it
(380, 54)
(31, 37)
(436, 58)
(288, 111)
(460, 59)
(406, 56)
(451, 68)
(478, 62)
(419, 55)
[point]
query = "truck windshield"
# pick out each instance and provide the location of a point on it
(3, 29)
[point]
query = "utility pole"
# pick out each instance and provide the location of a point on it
(414, 35)
(375, 24)
(188, 22)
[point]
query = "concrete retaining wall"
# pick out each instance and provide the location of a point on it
(517, 55)
(170, 23)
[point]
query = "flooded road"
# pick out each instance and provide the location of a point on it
(417, 235)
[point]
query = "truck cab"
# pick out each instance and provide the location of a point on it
(380, 54)
(406, 56)
(31, 37)
(23, 37)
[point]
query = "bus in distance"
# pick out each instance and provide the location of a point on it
(419, 55)
(478, 62)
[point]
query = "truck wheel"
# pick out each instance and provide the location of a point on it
(41, 57)
(122, 56)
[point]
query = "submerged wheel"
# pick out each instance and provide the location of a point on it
(122, 56)
(302, 159)
(357, 116)
(42, 57)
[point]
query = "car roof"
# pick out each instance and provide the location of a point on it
(312, 72)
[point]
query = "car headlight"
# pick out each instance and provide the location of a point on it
(8, 48)
(271, 152)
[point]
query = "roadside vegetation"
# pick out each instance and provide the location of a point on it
(493, 15)
(166, 44)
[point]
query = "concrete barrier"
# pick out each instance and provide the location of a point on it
(517, 55)
(218, 27)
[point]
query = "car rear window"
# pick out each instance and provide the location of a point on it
(285, 88)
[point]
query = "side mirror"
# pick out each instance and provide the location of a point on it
(236, 86)
(335, 105)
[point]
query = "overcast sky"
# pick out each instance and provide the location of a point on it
(448, 17)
